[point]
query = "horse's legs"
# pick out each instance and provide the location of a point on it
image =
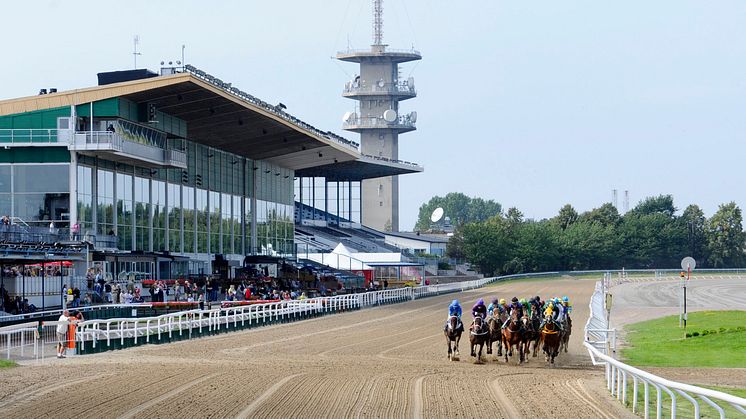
(448, 342)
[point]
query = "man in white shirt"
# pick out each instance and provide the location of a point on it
(62, 333)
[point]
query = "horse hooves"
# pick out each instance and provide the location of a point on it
(454, 359)
(478, 362)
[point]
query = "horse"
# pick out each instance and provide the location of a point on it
(567, 325)
(532, 334)
(478, 336)
(453, 332)
(513, 336)
(495, 336)
(550, 339)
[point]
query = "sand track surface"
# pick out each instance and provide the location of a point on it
(384, 362)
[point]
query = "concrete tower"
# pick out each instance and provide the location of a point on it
(378, 90)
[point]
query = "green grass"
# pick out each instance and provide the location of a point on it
(6, 363)
(661, 343)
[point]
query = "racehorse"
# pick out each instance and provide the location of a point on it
(453, 334)
(550, 339)
(478, 336)
(532, 334)
(567, 325)
(513, 336)
(495, 336)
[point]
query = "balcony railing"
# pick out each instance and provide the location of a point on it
(125, 149)
(403, 123)
(398, 89)
(28, 137)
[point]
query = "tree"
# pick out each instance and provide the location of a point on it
(460, 208)
(566, 217)
(487, 245)
(605, 215)
(661, 204)
(696, 226)
(725, 237)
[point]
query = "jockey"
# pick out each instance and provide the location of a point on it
(560, 317)
(514, 305)
(525, 306)
(455, 310)
(478, 310)
(568, 305)
(536, 305)
(503, 305)
(490, 308)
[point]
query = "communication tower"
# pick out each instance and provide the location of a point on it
(378, 89)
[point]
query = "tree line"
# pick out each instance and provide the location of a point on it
(651, 235)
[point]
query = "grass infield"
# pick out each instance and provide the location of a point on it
(5, 363)
(720, 341)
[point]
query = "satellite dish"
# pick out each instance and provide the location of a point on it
(437, 215)
(413, 116)
(346, 116)
(381, 83)
(389, 115)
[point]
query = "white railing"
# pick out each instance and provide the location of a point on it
(598, 340)
(27, 137)
(404, 122)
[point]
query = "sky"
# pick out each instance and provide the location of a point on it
(532, 104)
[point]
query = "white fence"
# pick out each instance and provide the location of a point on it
(104, 334)
(598, 341)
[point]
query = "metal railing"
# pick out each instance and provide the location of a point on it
(27, 136)
(369, 51)
(404, 121)
(598, 340)
(375, 89)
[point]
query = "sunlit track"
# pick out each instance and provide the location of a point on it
(389, 361)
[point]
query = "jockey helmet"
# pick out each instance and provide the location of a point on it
(514, 299)
(480, 302)
(502, 301)
(454, 303)
(556, 299)
(522, 301)
(537, 299)
(565, 299)
(494, 301)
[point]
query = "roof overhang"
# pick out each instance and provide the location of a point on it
(215, 117)
(365, 167)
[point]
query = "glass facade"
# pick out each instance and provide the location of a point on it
(201, 211)
(36, 194)
(335, 198)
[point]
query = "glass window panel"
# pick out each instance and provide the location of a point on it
(41, 178)
(5, 179)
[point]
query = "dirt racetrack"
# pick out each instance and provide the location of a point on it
(387, 362)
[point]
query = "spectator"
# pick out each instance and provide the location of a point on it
(107, 291)
(177, 290)
(62, 333)
(75, 231)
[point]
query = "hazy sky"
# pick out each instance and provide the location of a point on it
(533, 104)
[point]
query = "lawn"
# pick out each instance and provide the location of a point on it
(5, 363)
(661, 343)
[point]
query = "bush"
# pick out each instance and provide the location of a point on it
(695, 334)
(688, 335)
(723, 330)
(705, 332)
(713, 332)
(444, 266)
(741, 328)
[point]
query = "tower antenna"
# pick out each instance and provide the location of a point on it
(136, 42)
(377, 22)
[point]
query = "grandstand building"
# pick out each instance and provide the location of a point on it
(159, 173)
